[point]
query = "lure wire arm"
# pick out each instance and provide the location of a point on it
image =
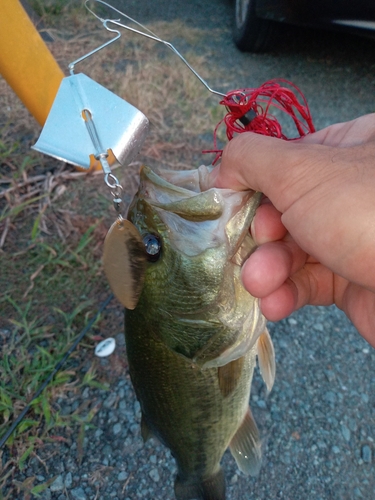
(72, 64)
(146, 33)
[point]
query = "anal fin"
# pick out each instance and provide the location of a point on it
(229, 376)
(266, 359)
(246, 446)
(211, 488)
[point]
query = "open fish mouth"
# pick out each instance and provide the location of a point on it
(181, 199)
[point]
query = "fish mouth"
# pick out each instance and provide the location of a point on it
(205, 218)
(180, 193)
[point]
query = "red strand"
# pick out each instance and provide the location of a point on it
(248, 110)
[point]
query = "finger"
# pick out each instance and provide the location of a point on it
(345, 134)
(281, 303)
(270, 266)
(279, 169)
(313, 284)
(359, 305)
(266, 225)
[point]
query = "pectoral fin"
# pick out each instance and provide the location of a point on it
(238, 226)
(246, 446)
(229, 375)
(266, 359)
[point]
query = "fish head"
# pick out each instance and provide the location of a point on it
(189, 218)
(196, 240)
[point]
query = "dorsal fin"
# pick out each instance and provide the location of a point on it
(246, 446)
(266, 359)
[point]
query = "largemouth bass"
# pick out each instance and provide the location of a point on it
(193, 332)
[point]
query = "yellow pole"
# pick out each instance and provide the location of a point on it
(25, 61)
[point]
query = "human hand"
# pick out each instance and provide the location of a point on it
(316, 235)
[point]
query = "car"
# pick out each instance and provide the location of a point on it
(256, 20)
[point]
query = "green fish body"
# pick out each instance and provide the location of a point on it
(194, 335)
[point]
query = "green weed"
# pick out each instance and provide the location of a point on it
(50, 8)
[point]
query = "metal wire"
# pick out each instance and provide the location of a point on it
(57, 368)
(72, 64)
(147, 33)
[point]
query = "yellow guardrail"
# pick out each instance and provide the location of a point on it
(26, 62)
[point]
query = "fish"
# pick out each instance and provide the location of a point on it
(193, 333)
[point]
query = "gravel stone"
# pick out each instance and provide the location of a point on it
(122, 476)
(75, 405)
(319, 327)
(366, 454)
(357, 493)
(120, 339)
(353, 424)
(98, 433)
(86, 393)
(365, 398)
(107, 450)
(154, 475)
(78, 494)
(110, 401)
(330, 375)
(330, 397)
(117, 428)
(68, 480)
(66, 410)
(46, 494)
(58, 484)
(345, 432)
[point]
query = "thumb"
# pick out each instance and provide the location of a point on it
(269, 165)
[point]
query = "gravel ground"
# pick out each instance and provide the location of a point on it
(317, 426)
(318, 422)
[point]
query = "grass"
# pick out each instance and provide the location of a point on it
(53, 220)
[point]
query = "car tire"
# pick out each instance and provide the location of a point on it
(250, 33)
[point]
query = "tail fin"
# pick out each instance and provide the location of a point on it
(212, 488)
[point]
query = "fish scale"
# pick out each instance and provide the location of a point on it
(170, 391)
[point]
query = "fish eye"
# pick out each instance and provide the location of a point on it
(152, 246)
